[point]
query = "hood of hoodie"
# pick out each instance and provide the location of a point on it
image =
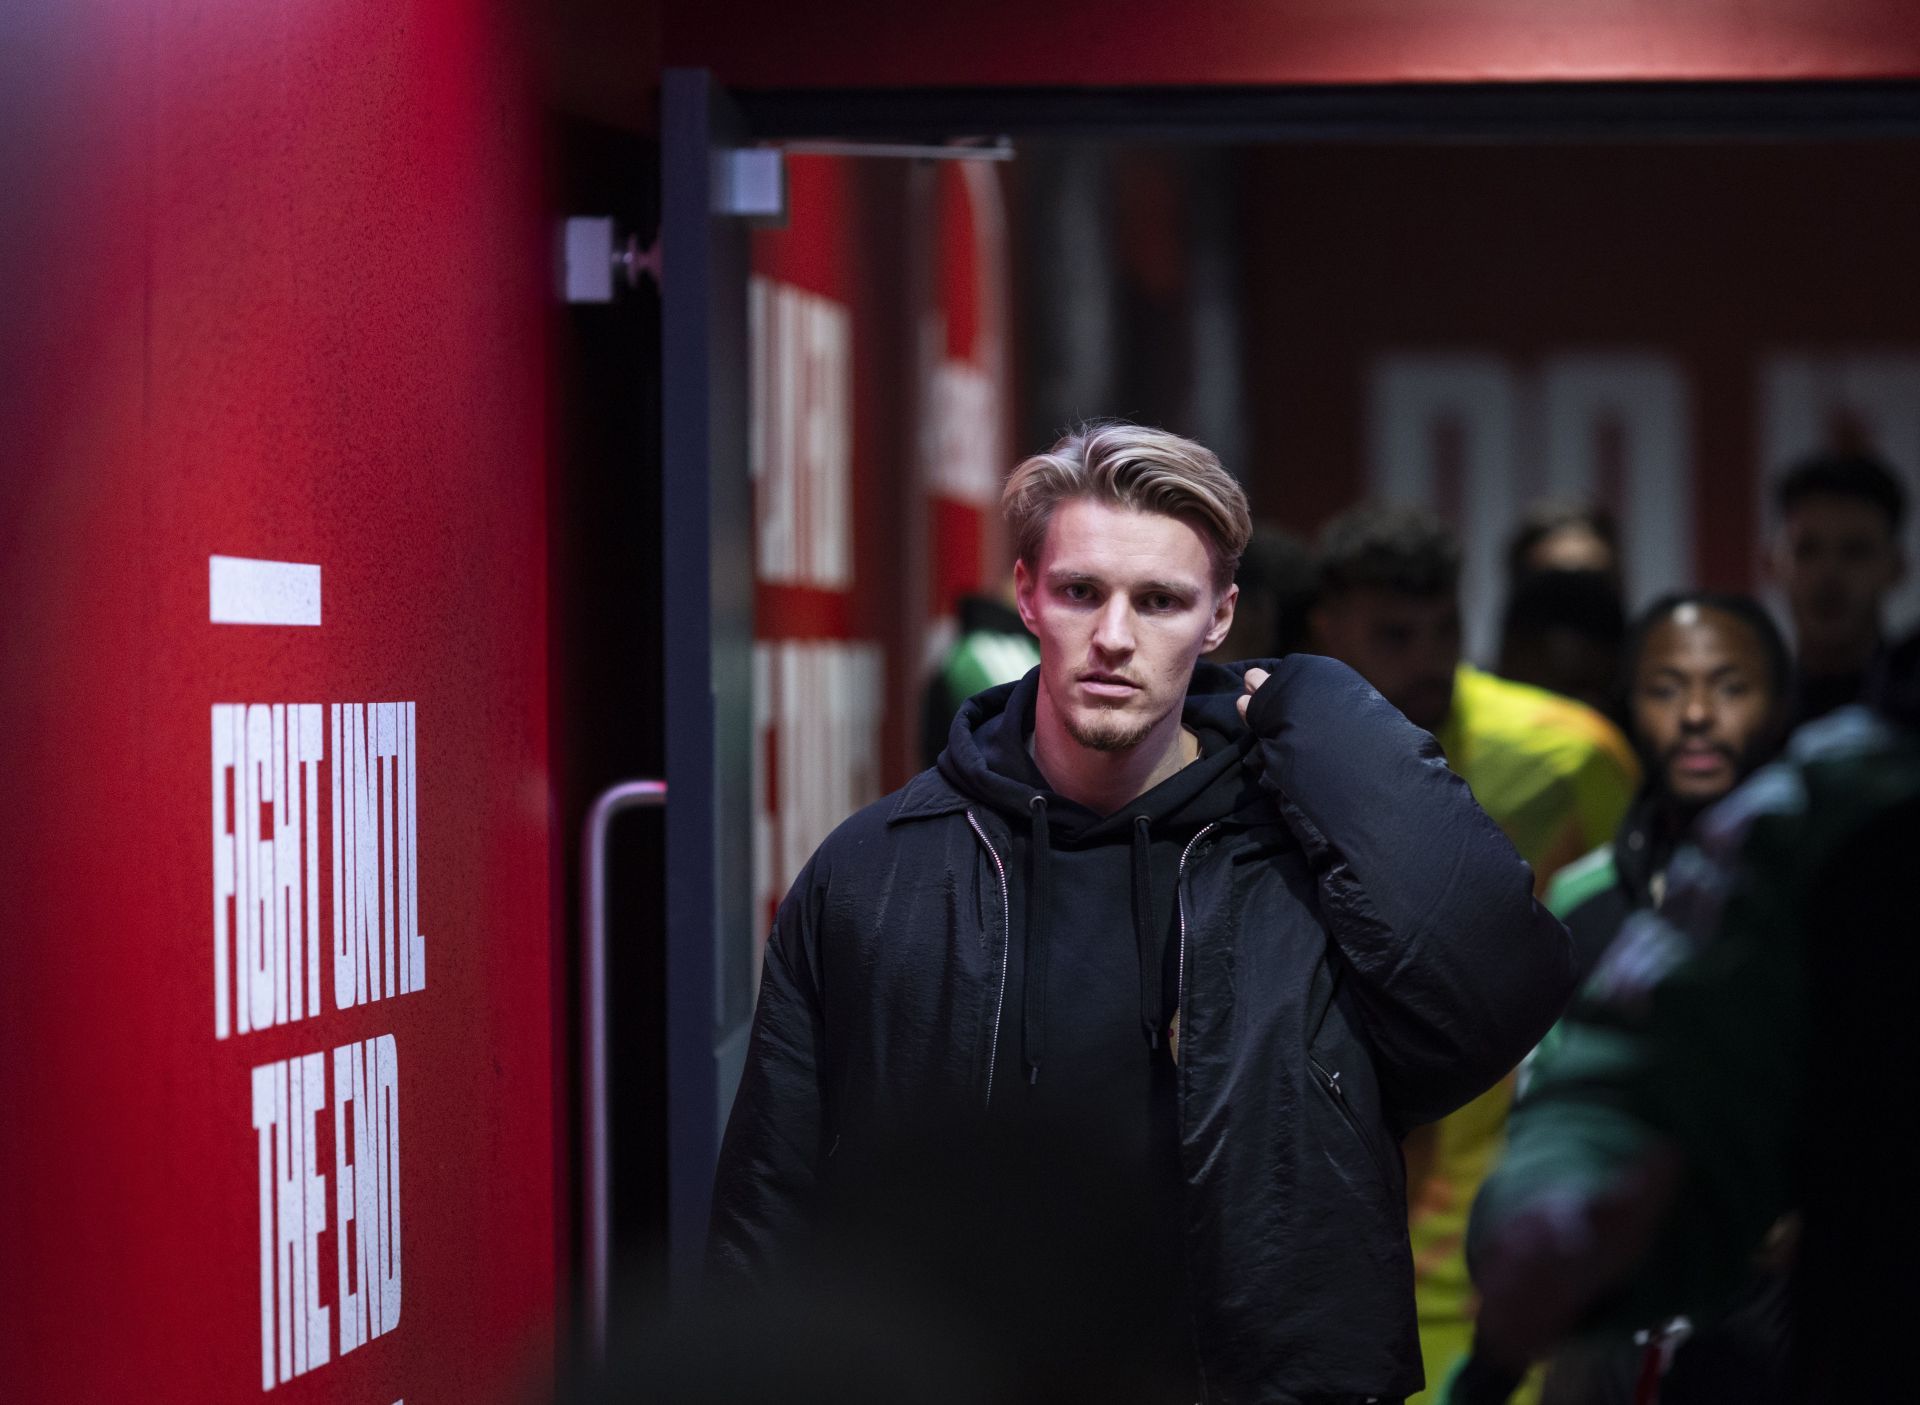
(987, 760)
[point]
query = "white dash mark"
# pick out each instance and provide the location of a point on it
(241, 590)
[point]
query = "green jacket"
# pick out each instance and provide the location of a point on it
(1695, 1029)
(993, 648)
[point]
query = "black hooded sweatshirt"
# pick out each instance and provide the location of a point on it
(1085, 1110)
(1362, 954)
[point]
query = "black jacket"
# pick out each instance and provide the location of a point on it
(1361, 955)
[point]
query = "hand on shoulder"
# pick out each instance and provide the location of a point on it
(1250, 685)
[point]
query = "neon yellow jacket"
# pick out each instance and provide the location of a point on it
(1557, 777)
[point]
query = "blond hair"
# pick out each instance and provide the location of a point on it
(1136, 466)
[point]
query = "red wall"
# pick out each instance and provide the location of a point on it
(880, 345)
(1718, 260)
(275, 281)
(1105, 43)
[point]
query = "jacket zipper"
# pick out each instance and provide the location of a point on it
(1006, 945)
(1180, 904)
(1179, 1007)
(1331, 1082)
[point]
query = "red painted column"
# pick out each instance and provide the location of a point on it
(277, 295)
(879, 441)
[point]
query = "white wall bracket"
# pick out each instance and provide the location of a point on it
(596, 261)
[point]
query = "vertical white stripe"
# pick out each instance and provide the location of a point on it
(837, 523)
(312, 742)
(286, 869)
(403, 774)
(387, 800)
(263, 1080)
(780, 553)
(342, 943)
(419, 938)
(223, 885)
(347, 1299)
(363, 778)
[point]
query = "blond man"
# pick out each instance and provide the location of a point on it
(1104, 1031)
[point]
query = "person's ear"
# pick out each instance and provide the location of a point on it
(1222, 623)
(1023, 588)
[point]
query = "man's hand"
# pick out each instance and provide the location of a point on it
(1255, 677)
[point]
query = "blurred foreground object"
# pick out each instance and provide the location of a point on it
(1742, 1054)
(811, 1348)
(1707, 689)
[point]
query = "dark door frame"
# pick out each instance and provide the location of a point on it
(707, 604)
(1532, 111)
(1414, 112)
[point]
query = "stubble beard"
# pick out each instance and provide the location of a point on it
(1108, 732)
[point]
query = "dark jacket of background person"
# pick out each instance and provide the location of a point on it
(1757, 1035)
(1816, 696)
(1596, 895)
(1360, 953)
(1738, 1361)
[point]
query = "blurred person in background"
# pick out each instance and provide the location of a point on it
(1837, 558)
(1564, 535)
(1744, 1053)
(993, 648)
(1708, 685)
(1111, 1022)
(1552, 773)
(1276, 583)
(1563, 631)
(1708, 688)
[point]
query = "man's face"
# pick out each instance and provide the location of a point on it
(1703, 703)
(1123, 604)
(1406, 646)
(1837, 559)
